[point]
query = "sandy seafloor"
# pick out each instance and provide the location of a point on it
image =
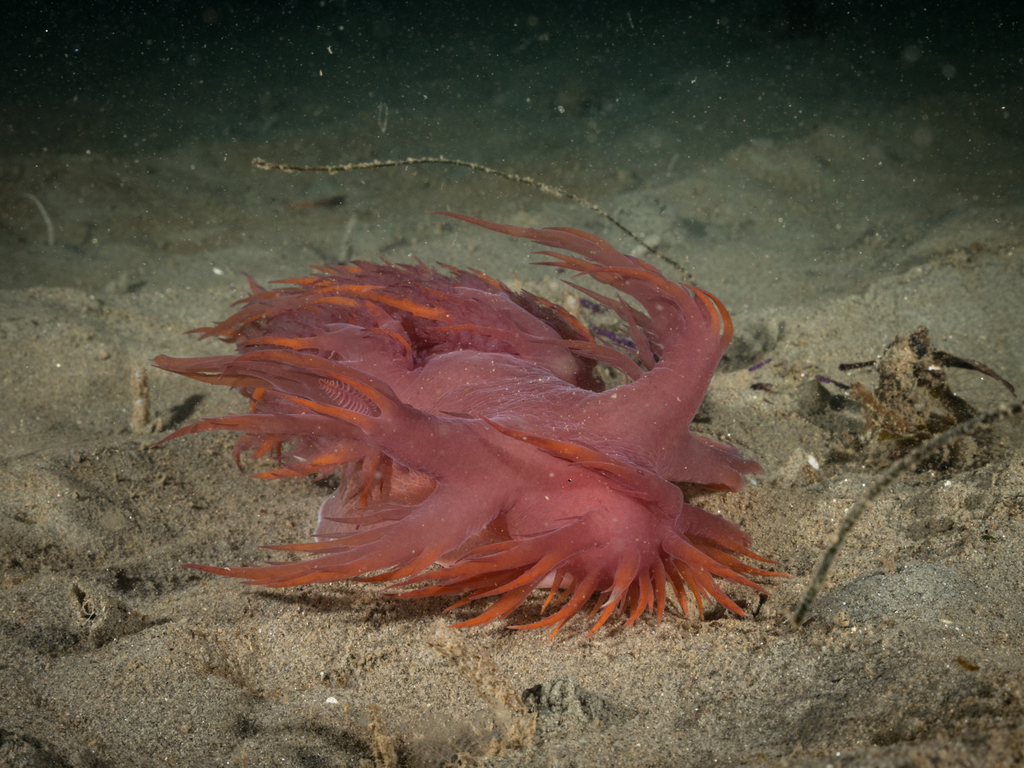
(835, 185)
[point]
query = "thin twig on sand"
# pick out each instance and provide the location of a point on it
(897, 468)
(558, 192)
(50, 239)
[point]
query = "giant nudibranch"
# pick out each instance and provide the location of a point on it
(469, 430)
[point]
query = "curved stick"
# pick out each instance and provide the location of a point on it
(897, 468)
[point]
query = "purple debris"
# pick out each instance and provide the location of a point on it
(755, 366)
(593, 306)
(612, 337)
(827, 380)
